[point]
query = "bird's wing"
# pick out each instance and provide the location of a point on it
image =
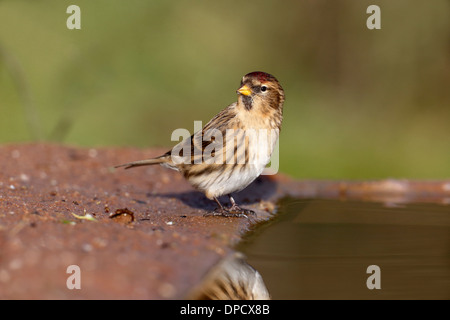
(191, 150)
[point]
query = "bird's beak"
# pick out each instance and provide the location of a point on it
(245, 90)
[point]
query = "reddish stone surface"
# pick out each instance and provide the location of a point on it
(162, 254)
(160, 247)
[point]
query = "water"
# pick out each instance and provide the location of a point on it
(321, 249)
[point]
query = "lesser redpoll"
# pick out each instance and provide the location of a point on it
(234, 147)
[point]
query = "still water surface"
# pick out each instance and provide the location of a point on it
(321, 249)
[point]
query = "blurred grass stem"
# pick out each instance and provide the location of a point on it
(18, 77)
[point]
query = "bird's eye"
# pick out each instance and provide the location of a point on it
(263, 88)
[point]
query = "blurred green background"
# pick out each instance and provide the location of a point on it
(359, 103)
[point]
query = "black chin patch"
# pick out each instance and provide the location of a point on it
(247, 102)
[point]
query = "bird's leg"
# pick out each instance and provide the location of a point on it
(219, 211)
(235, 209)
(220, 208)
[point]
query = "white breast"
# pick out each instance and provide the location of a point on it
(236, 177)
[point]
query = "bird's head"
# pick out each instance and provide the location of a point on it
(261, 90)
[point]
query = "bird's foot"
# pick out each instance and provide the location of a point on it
(234, 211)
(238, 210)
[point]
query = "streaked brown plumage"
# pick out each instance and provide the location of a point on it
(219, 162)
(232, 279)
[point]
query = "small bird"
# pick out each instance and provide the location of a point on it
(231, 279)
(234, 147)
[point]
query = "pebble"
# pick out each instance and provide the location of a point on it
(92, 153)
(167, 290)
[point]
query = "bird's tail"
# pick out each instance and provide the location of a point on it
(148, 162)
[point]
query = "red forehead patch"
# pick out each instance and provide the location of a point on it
(261, 76)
